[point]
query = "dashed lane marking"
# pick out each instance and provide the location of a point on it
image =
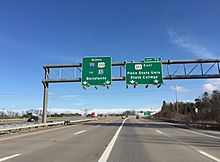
(79, 132)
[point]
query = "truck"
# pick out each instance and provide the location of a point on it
(93, 114)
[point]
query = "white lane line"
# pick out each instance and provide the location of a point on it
(201, 134)
(9, 157)
(209, 156)
(159, 131)
(79, 132)
(108, 150)
(97, 126)
(162, 133)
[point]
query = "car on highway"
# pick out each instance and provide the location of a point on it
(33, 117)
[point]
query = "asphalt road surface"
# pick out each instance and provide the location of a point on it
(122, 140)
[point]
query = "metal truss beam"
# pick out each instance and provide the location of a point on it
(172, 69)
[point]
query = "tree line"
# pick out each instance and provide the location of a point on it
(27, 114)
(204, 108)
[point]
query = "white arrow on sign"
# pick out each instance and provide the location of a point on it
(107, 82)
(132, 82)
(156, 81)
(85, 82)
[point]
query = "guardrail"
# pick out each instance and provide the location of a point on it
(44, 125)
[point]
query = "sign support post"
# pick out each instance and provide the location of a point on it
(45, 99)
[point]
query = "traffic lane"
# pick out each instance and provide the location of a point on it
(87, 145)
(212, 132)
(125, 149)
(196, 140)
(42, 138)
(140, 142)
(35, 140)
(204, 144)
(208, 132)
(12, 123)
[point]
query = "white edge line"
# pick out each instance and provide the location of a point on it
(108, 150)
(209, 156)
(159, 131)
(79, 132)
(9, 157)
(163, 133)
(200, 133)
(199, 151)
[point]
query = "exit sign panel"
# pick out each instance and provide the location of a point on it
(96, 71)
(144, 73)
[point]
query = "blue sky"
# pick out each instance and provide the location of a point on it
(38, 32)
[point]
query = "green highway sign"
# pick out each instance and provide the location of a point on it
(148, 59)
(144, 73)
(96, 71)
(147, 113)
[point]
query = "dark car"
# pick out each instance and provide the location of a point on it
(33, 119)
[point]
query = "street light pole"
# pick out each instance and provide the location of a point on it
(177, 106)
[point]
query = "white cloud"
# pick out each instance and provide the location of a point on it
(63, 110)
(189, 101)
(69, 96)
(210, 85)
(179, 89)
(65, 96)
(77, 99)
(188, 43)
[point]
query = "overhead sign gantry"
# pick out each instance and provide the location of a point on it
(95, 71)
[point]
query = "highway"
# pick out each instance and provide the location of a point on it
(114, 140)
